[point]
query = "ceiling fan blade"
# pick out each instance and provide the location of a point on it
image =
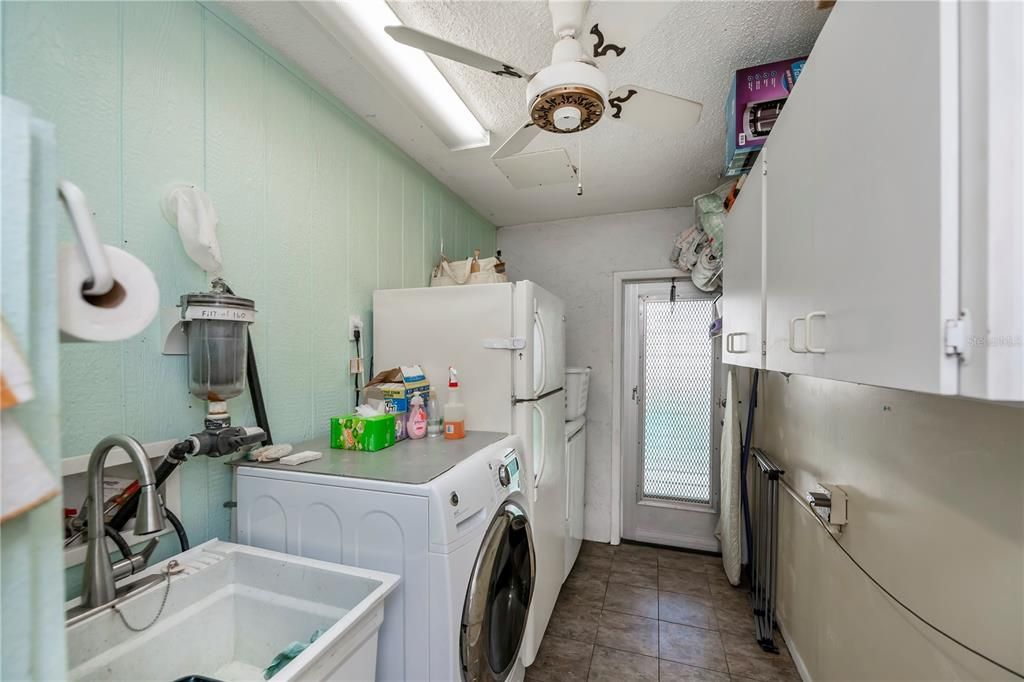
(614, 28)
(517, 142)
(653, 110)
(442, 48)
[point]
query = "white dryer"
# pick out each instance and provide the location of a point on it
(450, 517)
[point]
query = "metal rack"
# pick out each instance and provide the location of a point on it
(764, 505)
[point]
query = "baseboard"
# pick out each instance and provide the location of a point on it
(798, 661)
(678, 540)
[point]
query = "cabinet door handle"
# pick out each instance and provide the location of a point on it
(730, 346)
(792, 335)
(811, 348)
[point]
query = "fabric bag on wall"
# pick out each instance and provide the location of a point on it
(474, 270)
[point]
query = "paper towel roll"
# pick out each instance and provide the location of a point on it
(122, 313)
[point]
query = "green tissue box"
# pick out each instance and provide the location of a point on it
(368, 434)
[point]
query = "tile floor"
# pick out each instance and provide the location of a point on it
(634, 613)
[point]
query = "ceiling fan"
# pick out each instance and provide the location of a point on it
(573, 94)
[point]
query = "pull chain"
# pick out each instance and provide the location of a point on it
(579, 170)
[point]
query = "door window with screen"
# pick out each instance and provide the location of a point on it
(677, 374)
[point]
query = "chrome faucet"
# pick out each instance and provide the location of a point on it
(100, 573)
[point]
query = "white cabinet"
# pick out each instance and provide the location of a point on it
(893, 205)
(791, 228)
(742, 312)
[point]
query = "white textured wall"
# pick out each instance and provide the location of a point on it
(936, 503)
(575, 259)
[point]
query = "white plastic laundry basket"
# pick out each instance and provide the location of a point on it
(577, 384)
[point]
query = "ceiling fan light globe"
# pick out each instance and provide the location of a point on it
(567, 84)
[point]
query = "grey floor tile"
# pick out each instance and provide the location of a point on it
(574, 619)
(679, 672)
(734, 618)
(681, 608)
(593, 564)
(737, 644)
(692, 646)
(613, 665)
(776, 669)
(635, 574)
(584, 588)
(680, 561)
(684, 582)
(561, 660)
(637, 554)
(589, 548)
(628, 633)
(639, 601)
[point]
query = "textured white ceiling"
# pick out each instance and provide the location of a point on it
(692, 54)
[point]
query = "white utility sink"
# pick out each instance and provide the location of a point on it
(229, 612)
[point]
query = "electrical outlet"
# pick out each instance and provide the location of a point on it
(354, 322)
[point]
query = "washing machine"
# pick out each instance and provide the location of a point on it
(450, 517)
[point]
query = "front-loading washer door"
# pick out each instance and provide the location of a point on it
(498, 597)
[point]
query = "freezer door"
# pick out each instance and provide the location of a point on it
(541, 424)
(540, 320)
(461, 326)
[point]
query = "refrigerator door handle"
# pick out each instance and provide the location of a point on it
(510, 343)
(541, 350)
(539, 474)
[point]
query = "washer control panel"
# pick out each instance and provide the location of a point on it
(506, 472)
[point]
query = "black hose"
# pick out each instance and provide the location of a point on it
(252, 375)
(122, 544)
(179, 528)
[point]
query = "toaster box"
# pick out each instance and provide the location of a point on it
(391, 390)
(368, 434)
(756, 98)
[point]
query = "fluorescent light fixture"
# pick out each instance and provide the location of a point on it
(359, 27)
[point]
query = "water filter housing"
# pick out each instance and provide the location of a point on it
(215, 324)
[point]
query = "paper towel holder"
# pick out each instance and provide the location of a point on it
(90, 248)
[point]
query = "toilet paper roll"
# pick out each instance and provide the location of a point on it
(119, 314)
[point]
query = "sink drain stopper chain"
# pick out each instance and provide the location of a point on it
(172, 568)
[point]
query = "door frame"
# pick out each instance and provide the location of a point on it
(619, 280)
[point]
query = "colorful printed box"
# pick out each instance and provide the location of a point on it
(368, 434)
(755, 101)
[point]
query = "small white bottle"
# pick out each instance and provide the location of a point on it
(435, 421)
(454, 410)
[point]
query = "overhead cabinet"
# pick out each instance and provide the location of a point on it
(864, 247)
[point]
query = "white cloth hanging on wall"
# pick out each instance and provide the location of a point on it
(191, 211)
(730, 518)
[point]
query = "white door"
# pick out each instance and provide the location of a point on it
(468, 327)
(742, 299)
(540, 322)
(541, 424)
(671, 416)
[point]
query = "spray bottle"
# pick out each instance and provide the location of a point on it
(454, 410)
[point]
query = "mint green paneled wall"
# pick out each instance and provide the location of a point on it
(316, 211)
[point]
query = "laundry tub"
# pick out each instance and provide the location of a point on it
(229, 611)
(577, 385)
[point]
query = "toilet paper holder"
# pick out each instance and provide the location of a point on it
(90, 248)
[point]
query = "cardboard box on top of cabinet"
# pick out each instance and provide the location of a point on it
(391, 390)
(755, 100)
(367, 434)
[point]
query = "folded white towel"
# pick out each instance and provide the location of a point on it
(301, 457)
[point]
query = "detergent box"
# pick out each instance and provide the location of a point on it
(391, 390)
(368, 434)
(755, 101)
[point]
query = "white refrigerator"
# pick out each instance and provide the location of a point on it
(507, 342)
